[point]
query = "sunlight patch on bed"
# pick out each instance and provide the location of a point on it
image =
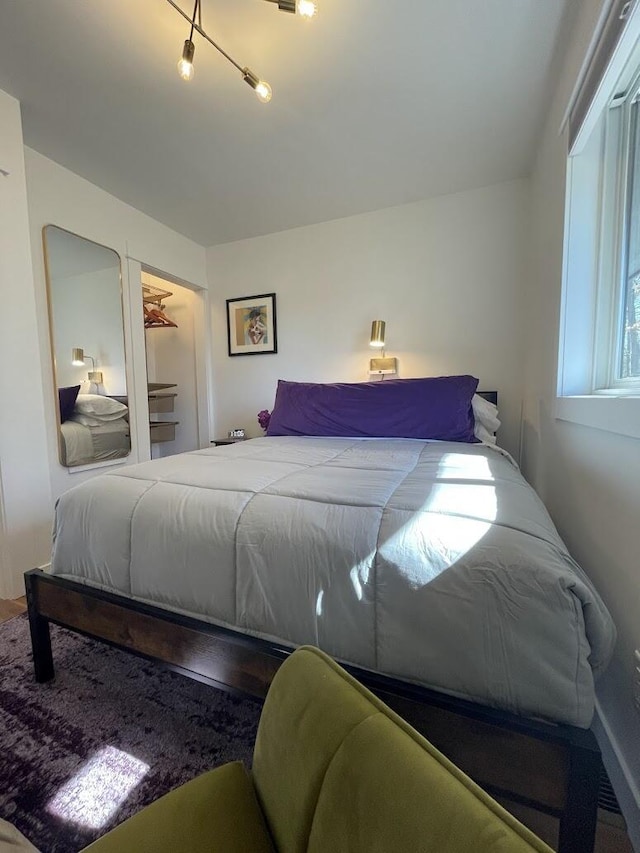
(465, 466)
(360, 576)
(432, 544)
(473, 501)
(96, 792)
(463, 487)
(453, 519)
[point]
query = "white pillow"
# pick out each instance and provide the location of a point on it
(486, 419)
(105, 408)
(484, 413)
(483, 434)
(96, 420)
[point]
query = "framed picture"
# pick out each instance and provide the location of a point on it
(251, 324)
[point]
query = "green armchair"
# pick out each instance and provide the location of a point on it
(334, 771)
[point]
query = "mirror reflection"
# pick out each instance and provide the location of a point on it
(87, 341)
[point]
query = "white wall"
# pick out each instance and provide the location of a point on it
(446, 274)
(25, 496)
(30, 474)
(588, 478)
(87, 312)
(58, 196)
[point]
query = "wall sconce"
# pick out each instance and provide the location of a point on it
(377, 333)
(78, 359)
(380, 366)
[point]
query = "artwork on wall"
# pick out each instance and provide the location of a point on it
(251, 324)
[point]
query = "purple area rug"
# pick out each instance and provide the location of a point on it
(110, 734)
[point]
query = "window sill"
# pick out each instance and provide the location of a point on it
(620, 414)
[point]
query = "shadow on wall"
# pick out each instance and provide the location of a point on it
(530, 452)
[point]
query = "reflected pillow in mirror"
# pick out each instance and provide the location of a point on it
(99, 406)
(67, 400)
(113, 422)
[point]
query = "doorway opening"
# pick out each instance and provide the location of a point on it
(173, 322)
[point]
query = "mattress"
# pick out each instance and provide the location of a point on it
(432, 562)
(82, 445)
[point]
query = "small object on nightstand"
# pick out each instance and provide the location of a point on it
(231, 439)
(233, 436)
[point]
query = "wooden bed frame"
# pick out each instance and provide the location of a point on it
(552, 768)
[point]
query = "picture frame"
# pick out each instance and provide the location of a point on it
(251, 325)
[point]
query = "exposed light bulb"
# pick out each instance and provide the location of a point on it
(185, 63)
(306, 8)
(263, 91)
(185, 69)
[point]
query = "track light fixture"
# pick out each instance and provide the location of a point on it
(304, 8)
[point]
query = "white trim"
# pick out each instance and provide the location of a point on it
(564, 294)
(5, 558)
(604, 88)
(105, 463)
(620, 776)
(137, 376)
(630, 389)
(620, 414)
(586, 62)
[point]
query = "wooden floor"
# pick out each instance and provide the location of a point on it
(12, 608)
(611, 836)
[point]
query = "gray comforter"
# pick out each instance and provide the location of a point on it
(432, 562)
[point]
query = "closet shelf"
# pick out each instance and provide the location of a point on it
(152, 387)
(162, 431)
(162, 402)
(153, 309)
(154, 295)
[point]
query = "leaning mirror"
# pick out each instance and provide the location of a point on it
(87, 346)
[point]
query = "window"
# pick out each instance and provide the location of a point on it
(599, 356)
(616, 245)
(627, 354)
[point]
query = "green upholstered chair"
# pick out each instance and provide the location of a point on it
(334, 771)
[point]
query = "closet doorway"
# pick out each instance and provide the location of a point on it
(172, 330)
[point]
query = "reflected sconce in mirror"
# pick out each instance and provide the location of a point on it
(78, 358)
(380, 366)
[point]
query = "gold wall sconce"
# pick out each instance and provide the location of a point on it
(78, 359)
(380, 366)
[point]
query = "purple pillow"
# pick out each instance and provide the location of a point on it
(436, 408)
(67, 400)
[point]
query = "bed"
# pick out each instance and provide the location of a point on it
(93, 427)
(429, 567)
(83, 445)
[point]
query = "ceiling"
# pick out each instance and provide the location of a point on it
(375, 103)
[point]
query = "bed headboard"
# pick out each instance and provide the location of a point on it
(489, 396)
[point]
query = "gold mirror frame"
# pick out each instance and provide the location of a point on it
(86, 322)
